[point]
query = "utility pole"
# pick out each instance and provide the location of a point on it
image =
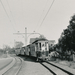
(26, 35)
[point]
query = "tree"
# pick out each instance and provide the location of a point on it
(67, 39)
(71, 28)
(6, 48)
(18, 44)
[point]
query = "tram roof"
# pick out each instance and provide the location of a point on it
(40, 39)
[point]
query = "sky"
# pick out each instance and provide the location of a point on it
(15, 15)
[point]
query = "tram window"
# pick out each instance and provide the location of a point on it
(43, 45)
(40, 45)
(51, 44)
(45, 48)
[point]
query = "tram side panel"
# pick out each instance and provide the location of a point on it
(22, 51)
(32, 50)
(17, 51)
(27, 50)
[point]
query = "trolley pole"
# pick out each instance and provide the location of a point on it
(25, 36)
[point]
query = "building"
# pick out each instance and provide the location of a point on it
(51, 43)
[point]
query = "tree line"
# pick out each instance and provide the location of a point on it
(66, 42)
(9, 49)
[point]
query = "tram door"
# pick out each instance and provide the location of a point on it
(40, 46)
(39, 49)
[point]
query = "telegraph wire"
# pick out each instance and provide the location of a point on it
(41, 14)
(7, 14)
(46, 14)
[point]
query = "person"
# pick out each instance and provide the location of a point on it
(43, 47)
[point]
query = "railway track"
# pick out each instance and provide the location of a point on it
(55, 70)
(14, 70)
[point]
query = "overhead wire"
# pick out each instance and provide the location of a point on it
(41, 14)
(7, 15)
(22, 14)
(11, 12)
(22, 10)
(46, 14)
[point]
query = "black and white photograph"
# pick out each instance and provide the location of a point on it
(37, 37)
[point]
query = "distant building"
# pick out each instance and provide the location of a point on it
(32, 40)
(51, 43)
(18, 44)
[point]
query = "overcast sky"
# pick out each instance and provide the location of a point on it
(15, 15)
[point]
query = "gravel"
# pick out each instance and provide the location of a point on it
(33, 68)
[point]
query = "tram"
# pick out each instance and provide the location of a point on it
(39, 49)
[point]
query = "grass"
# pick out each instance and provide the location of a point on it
(2, 55)
(70, 64)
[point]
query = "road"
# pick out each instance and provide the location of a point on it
(32, 67)
(4, 62)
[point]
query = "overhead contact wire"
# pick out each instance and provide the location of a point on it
(11, 12)
(46, 14)
(41, 14)
(6, 13)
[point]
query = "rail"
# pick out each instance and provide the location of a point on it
(51, 68)
(14, 70)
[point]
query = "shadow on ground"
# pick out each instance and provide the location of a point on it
(28, 58)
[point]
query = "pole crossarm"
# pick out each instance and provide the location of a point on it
(18, 33)
(26, 36)
(26, 33)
